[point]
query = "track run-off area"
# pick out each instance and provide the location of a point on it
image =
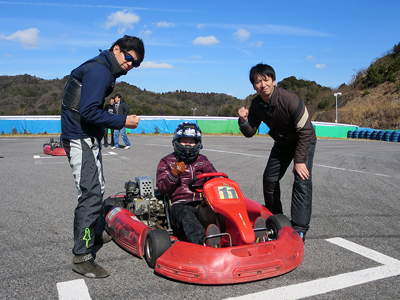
(352, 249)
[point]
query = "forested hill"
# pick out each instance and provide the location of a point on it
(370, 99)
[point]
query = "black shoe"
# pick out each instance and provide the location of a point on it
(84, 264)
(100, 240)
(213, 241)
(105, 145)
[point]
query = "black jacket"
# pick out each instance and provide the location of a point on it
(123, 109)
(109, 108)
(287, 118)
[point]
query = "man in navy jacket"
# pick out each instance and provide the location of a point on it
(83, 121)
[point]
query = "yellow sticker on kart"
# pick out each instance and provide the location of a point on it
(227, 192)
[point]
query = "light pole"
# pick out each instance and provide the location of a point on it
(194, 111)
(336, 94)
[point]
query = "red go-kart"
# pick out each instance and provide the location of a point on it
(54, 148)
(139, 222)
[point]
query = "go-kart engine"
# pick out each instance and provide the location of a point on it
(141, 201)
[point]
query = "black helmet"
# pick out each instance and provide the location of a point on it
(187, 153)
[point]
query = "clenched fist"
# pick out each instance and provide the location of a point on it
(132, 121)
(243, 113)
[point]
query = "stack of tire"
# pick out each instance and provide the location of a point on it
(371, 134)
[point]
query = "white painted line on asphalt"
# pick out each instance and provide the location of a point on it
(109, 153)
(73, 290)
(264, 156)
(350, 170)
(364, 251)
(48, 156)
(390, 268)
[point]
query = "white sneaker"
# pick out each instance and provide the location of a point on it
(113, 147)
(127, 147)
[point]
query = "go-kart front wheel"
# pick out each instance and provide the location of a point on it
(157, 242)
(275, 223)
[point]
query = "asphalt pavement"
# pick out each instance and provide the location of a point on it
(352, 249)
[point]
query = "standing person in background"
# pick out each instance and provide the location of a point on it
(122, 109)
(82, 122)
(290, 126)
(110, 109)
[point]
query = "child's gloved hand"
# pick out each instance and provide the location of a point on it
(178, 169)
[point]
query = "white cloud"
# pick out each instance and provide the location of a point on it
(122, 19)
(145, 34)
(7, 55)
(165, 24)
(321, 66)
(205, 40)
(153, 65)
(310, 57)
(241, 35)
(196, 56)
(256, 43)
(29, 38)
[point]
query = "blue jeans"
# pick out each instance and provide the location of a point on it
(123, 135)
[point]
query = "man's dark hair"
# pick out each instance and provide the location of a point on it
(128, 43)
(263, 70)
(118, 95)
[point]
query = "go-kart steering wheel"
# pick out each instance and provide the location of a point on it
(199, 189)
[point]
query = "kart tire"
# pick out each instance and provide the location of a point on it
(275, 223)
(157, 242)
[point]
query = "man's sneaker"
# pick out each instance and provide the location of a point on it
(127, 147)
(100, 240)
(303, 236)
(84, 264)
(258, 224)
(113, 147)
(213, 241)
(105, 145)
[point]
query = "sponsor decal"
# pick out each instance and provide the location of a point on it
(135, 218)
(240, 215)
(113, 212)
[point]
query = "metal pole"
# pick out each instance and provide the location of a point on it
(337, 94)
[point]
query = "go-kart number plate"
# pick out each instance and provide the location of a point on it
(227, 192)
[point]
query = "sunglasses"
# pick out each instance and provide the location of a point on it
(130, 58)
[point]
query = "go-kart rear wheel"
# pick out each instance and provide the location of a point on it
(157, 242)
(275, 223)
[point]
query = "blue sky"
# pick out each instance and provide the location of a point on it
(201, 46)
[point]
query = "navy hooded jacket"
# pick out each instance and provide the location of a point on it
(98, 82)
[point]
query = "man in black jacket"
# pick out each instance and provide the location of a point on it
(110, 109)
(122, 109)
(290, 126)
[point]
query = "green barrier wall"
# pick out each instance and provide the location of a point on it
(333, 131)
(218, 126)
